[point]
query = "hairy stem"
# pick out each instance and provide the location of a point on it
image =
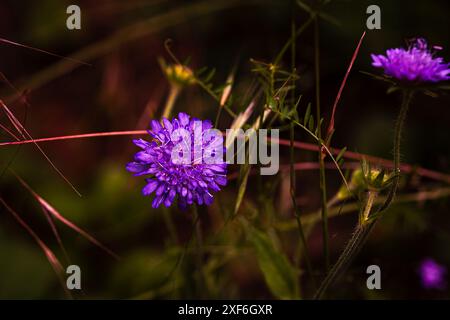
(352, 248)
(406, 101)
(366, 225)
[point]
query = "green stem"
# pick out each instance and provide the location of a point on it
(289, 42)
(407, 95)
(297, 210)
(219, 112)
(170, 102)
(352, 248)
(199, 253)
(323, 186)
(168, 219)
(292, 158)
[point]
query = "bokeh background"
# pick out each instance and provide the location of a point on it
(124, 88)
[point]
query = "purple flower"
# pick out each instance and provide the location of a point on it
(415, 64)
(432, 274)
(184, 160)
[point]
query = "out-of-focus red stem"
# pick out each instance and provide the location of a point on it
(299, 145)
(78, 136)
(372, 159)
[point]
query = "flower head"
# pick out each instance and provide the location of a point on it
(184, 161)
(416, 64)
(178, 75)
(432, 274)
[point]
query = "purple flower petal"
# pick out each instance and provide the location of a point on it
(150, 187)
(184, 119)
(156, 126)
(157, 201)
(136, 167)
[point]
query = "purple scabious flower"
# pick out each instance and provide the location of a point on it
(432, 274)
(416, 64)
(184, 160)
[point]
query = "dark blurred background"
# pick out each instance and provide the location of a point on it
(124, 87)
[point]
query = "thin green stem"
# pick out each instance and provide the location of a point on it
(292, 156)
(199, 252)
(297, 209)
(289, 42)
(323, 185)
(219, 112)
(168, 219)
(215, 97)
(407, 95)
(170, 102)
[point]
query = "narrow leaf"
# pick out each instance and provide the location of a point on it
(245, 170)
(307, 114)
(278, 273)
(341, 154)
(311, 124)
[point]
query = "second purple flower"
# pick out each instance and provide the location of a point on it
(416, 64)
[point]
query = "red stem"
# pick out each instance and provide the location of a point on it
(300, 145)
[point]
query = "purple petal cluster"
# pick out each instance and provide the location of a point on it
(193, 182)
(432, 274)
(416, 64)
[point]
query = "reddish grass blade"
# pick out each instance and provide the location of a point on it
(22, 96)
(56, 234)
(21, 129)
(43, 51)
(9, 132)
(344, 81)
(78, 136)
(52, 259)
(46, 206)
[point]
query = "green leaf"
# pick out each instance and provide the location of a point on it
(210, 75)
(311, 124)
(341, 153)
(272, 103)
(279, 274)
(305, 7)
(245, 170)
(392, 89)
(319, 126)
(307, 114)
(378, 181)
